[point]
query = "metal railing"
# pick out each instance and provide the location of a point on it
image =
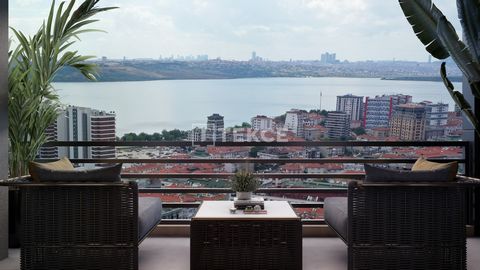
(465, 160)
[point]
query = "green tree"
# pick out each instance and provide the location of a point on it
(156, 136)
(321, 112)
(359, 131)
(280, 119)
(243, 125)
(172, 135)
(254, 151)
(33, 103)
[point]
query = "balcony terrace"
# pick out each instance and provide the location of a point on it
(168, 245)
(173, 253)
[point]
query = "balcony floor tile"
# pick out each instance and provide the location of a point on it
(174, 254)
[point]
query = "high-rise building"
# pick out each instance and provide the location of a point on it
(435, 120)
(408, 122)
(196, 134)
(352, 105)
(103, 127)
(82, 124)
(338, 125)
(436, 113)
(328, 58)
(215, 127)
(50, 152)
(261, 122)
(294, 121)
(378, 110)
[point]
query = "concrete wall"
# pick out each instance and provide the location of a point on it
(3, 127)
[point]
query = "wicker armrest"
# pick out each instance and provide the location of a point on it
(469, 181)
(26, 181)
(460, 181)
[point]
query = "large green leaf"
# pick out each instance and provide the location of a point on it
(459, 52)
(423, 16)
(460, 100)
(469, 14)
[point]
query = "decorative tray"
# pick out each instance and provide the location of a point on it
(255, 212)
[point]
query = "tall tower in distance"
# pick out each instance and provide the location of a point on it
(328, 58)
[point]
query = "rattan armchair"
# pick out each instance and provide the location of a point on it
(401, 225)
(80, 226)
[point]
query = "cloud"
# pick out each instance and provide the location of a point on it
(231, 29)
(26, 3)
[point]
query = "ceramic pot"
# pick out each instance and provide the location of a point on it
(244, 195)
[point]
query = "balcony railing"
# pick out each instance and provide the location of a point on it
(334, 191)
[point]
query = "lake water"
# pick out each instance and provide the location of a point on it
(151, 106)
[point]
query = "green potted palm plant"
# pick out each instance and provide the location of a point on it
(33, 103)
(244, 184)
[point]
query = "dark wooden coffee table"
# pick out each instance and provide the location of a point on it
(220, 240)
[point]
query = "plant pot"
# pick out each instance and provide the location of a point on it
(244, 195)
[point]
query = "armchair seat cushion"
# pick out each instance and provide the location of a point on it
(149, 215)
(336, 215)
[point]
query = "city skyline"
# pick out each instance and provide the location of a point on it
(380, 115)
(275, 30)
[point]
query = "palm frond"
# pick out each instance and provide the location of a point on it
(423, 16)
(469, 14)
(460, 100)
(458, 51)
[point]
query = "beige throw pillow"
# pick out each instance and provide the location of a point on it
(424, 165)
(63, 164)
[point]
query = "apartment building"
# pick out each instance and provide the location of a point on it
(352, 105)
(294, 121)
(262, 122)
(338, 125)
(408, 122)
(378, 110)
(81, 124)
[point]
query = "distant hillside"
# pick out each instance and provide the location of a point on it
(156, 70)
(142, 70)
(427, 78)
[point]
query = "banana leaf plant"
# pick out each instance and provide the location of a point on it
(441, 41)
(33, 103)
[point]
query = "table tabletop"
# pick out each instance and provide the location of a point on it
(220, 210)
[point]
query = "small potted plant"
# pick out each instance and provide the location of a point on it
(244, 184)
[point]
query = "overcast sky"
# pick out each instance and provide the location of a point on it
(232, 29)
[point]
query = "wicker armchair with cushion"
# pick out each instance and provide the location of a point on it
(402, 224)
(94, 224)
